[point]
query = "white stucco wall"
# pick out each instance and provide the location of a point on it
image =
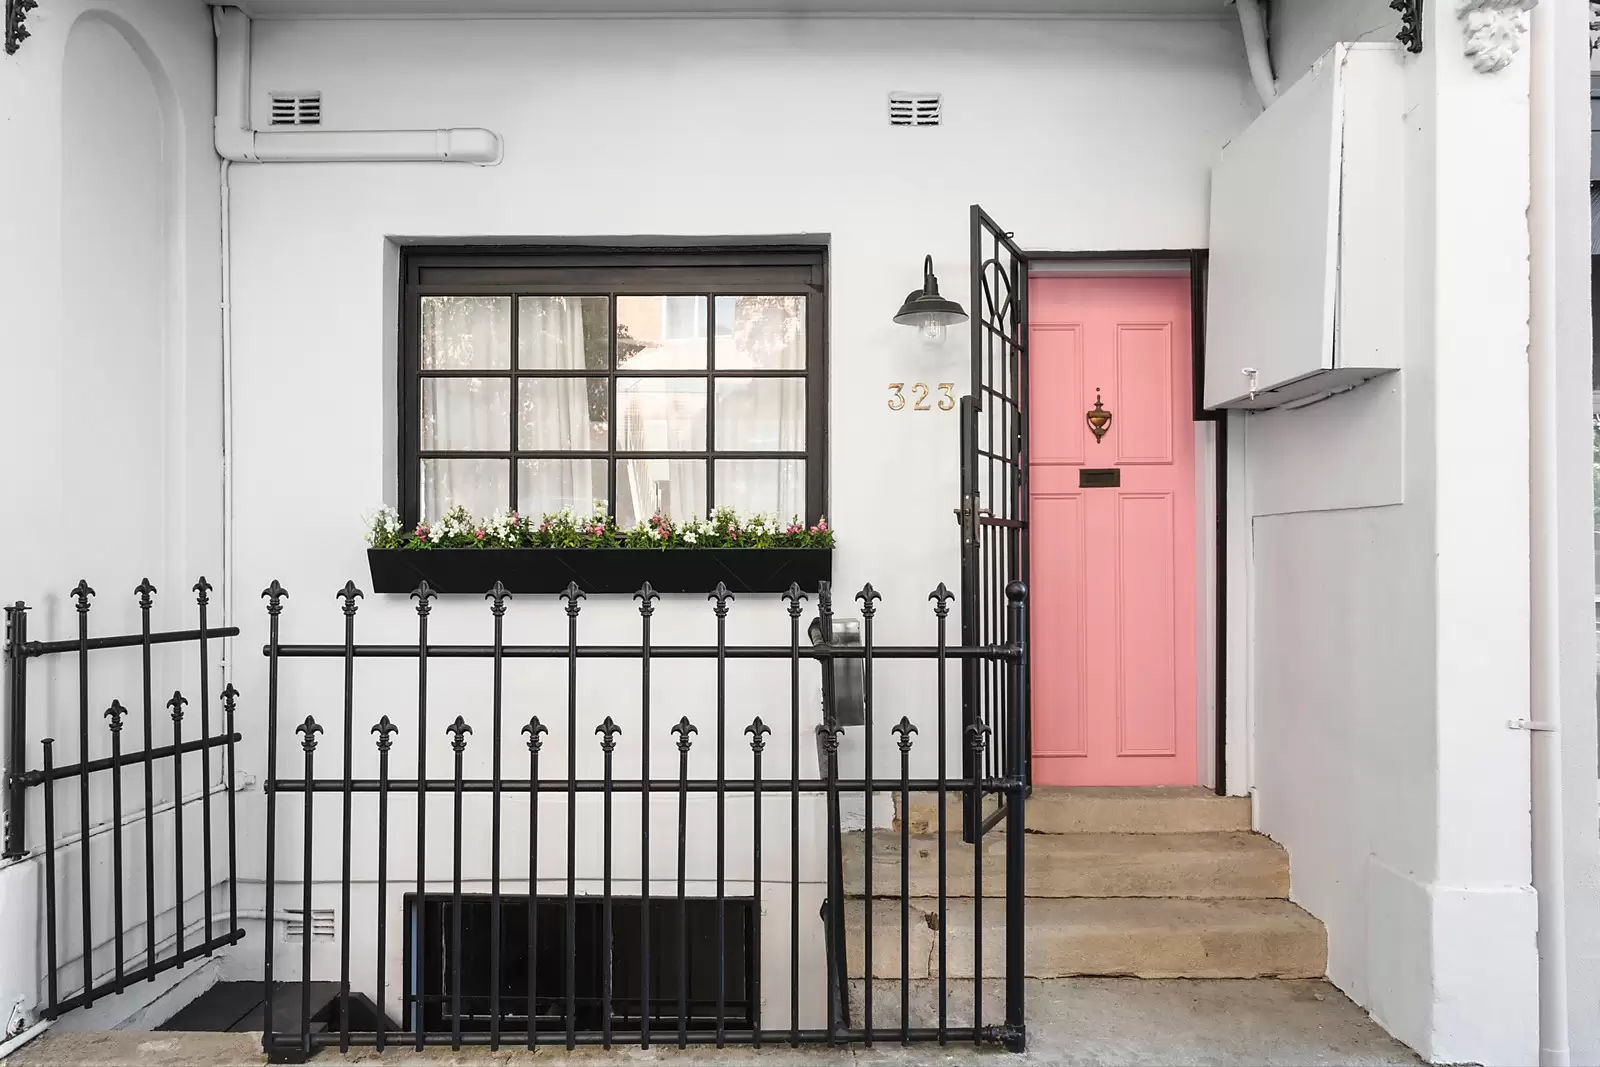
(109, 289)
(1301, 30)
(1384, 563)
(1076, 134)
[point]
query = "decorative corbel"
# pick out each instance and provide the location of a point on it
(16, 15)
(1494, 30)
(1410, 33)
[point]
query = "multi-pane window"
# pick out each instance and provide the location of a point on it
(541, 382)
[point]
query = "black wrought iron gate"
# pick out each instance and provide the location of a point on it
(994, 508)
(107, 928)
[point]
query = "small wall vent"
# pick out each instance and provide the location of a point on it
(914, 109)
(321, 924)
(297, 109)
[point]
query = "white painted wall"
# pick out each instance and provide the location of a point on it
(1386, 578)
(1301, 30)
(685, 128)
(109, 291)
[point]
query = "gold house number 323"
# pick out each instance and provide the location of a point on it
(920, 394)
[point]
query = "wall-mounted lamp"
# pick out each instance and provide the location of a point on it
(929, 312)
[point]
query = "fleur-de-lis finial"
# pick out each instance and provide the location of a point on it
(756, 729)
(941, 598)
(978, 735)
(499, 595)
(230, 697)
(311, 730)
(422, 594)
(795, 598)
(348, 594)
(830, 731)
(904, 729)
(533, 730)
(275, 595)
(202, 590)
(145, 591)
(572, 594)
(721, 595)
(176, 704)
(867, 596)
(683, 728)
(115, 713)
(610, 730)
(458, 730)
(385, 731)
(644, 596)
(81, 592)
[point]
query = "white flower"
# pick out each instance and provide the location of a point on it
(689, 537)
(655, 534)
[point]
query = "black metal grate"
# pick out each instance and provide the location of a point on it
(297, 109)
(915, 109)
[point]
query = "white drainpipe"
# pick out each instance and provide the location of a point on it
(1253, 24)
(238, 141)
(1549, 861)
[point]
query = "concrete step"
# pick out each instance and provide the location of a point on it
(1159, 937)
(1080, 865)
(1108, 810)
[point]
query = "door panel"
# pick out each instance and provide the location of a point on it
(1114, 697)
(1060, 637)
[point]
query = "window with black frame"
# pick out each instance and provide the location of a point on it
(637, 383)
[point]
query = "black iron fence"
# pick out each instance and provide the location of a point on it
(55, 778)
(604, 968)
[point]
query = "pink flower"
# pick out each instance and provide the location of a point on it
(813, 529)
(822, 526)
(733, 532)
(482, 534)
(598, 530)
(422, 529)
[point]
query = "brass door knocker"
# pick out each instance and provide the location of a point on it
(1098, 417)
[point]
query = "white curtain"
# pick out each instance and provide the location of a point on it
(554, 413)
(465, 333)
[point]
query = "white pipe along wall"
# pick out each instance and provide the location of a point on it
(1253, 25)
(237, 140)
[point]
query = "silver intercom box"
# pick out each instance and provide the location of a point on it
(849, 703)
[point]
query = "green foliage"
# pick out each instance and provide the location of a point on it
(457, 528)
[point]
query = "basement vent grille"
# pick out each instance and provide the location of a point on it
(297, 109)
(914, 109)
(321, 924)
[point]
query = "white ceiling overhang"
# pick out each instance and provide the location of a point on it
(268, 9)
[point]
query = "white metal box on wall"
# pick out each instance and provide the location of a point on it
(1305, 292)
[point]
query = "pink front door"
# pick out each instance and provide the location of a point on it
(1113, 565)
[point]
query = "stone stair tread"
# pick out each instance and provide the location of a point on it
(1105, 809)
(1147, 937)
(1211, 864)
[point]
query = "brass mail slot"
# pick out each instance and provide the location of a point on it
(1099, 477)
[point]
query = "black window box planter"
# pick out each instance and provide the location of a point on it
(599, 570)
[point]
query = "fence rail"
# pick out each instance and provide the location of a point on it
(664, 1001)
(51, 777)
